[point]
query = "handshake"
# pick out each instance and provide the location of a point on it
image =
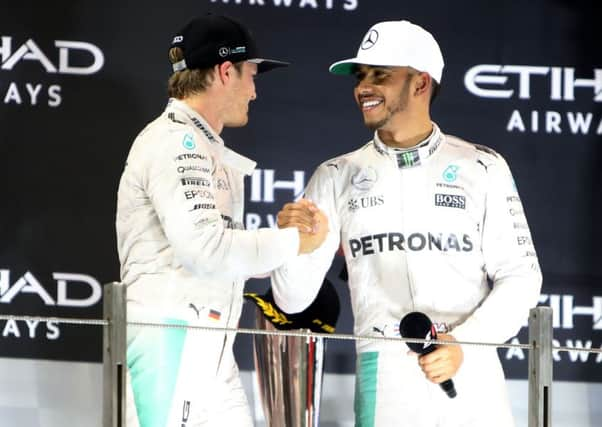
(309, 220)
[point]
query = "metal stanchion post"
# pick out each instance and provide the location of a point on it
(540, 367)
(114, 355)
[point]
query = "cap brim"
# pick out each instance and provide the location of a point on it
(345, 67)
(264, 65)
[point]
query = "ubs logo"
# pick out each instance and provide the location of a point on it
(365, 202)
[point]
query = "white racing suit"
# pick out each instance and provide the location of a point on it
(184, 258)
(424, 230)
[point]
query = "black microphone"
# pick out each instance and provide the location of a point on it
(418, 325)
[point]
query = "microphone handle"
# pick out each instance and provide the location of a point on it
(448, 387)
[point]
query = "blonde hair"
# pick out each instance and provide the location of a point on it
(182, 84)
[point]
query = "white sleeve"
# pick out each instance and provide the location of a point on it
(296, 283)
(180, 186)
(510, 261)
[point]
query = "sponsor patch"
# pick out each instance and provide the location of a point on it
(188, 156)
(365, 202)
(188, 142)
(203, 206)
(450, 174)
(203, 194)
(450, 200)
(364, 179)
(202, 182)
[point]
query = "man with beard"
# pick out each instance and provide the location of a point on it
(429, 223)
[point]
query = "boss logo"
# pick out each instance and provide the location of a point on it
(450, 200)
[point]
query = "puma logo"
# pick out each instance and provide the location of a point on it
(196, 310)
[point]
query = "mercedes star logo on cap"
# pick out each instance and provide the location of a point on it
(223, 51)
(370, 39)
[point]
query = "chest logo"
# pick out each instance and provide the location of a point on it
(450, 174)
(365, 202)
(188, 142)
(450, 200)
(365, 179)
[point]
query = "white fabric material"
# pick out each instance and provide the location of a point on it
(179, 220)
(423, 233)
(180, 236)
(406, 399)
(398, 44)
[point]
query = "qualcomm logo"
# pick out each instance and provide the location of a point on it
(90, 60)
(503, 82)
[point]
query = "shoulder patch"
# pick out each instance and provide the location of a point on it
(486, 149)
(172, 117)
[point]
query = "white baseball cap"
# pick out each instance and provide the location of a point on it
(396, 44)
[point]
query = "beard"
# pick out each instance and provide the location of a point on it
(400, 105)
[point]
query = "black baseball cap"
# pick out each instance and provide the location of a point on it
(212, 39)
(321, 315)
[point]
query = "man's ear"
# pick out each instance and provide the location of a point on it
(422, 84)
(224, 71)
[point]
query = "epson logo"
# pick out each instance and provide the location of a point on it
(386, 242)
(450, 200)
(203, 194)
(30, 51)
(28, 284)
(494, 81)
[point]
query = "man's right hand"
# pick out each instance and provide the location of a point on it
(309, 220)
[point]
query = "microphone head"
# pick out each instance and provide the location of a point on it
(418, 325)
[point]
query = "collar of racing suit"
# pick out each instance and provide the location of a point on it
(410, 157)
(180, 112)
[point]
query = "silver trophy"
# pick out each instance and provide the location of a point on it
(289, 373)
(290, 369)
